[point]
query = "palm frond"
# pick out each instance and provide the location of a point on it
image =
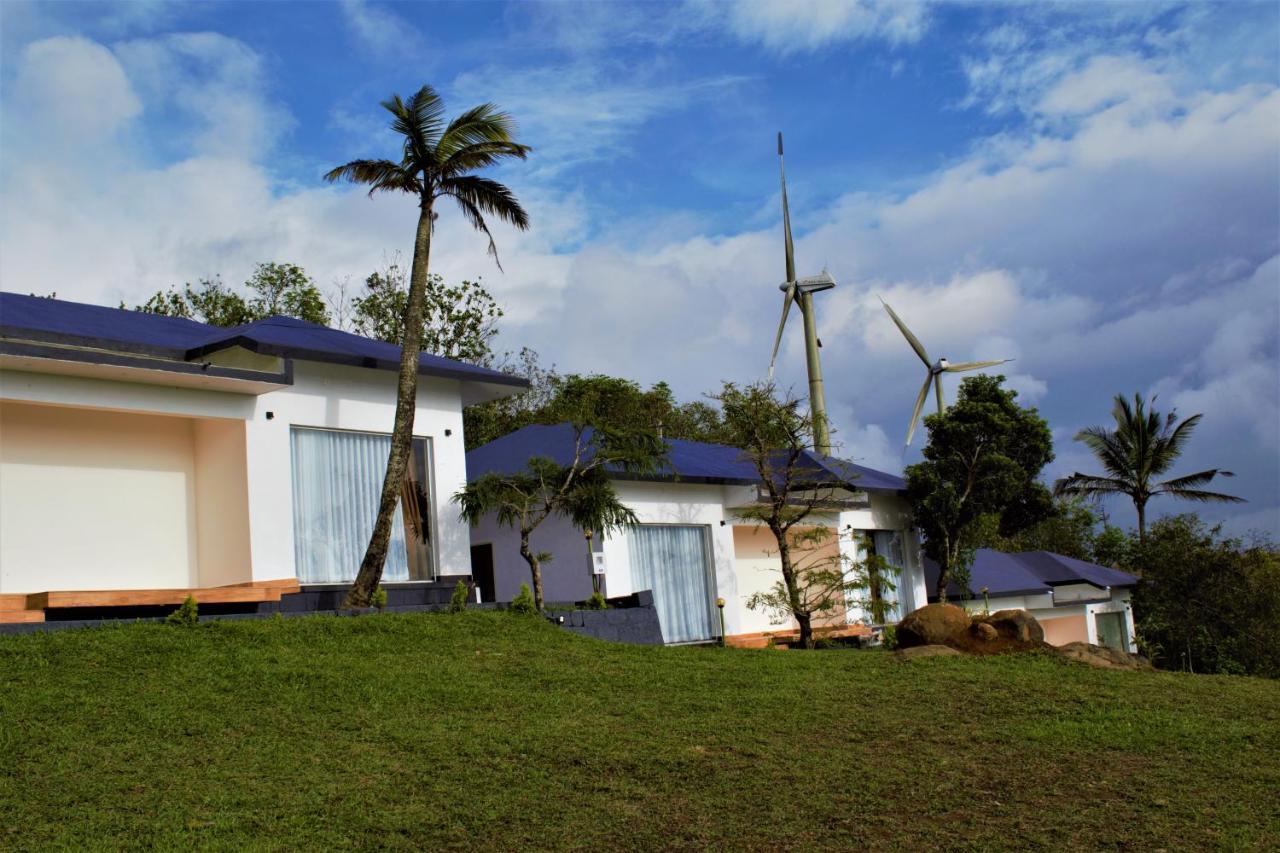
(419, 121)
(481, 155)
(487, 196)
(1087, 485)
(480, 124)
(1200, 495)
(379, 175)
(1191, 481)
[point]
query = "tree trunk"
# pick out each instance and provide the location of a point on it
(535, 569)
(806, 630)
(375, 556)
(1141, 506)
(802, 617)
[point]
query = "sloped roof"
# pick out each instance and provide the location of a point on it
(73, 323)
(1029, 573)
(687, 461)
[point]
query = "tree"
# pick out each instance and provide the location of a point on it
(273, 289)
(436, 162)
(580, 491)
(458, 321)
(982, 459)
(1070, 529)
(287, 290)
(1207, 603)
(876, 579)
(774, 435)
(1141, 448)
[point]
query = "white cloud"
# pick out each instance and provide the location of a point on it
(70, 86)
(379, 31)
(784, 26)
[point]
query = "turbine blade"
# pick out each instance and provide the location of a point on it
(787, 299)
(906, 333)
(786, 216)
(937, 391)
(915, 413)
(974, 365)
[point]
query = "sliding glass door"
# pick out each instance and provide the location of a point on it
(674, 562)
(337, 480)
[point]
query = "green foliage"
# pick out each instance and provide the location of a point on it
(458, 321)
(873, 581)
(596, 602)
(1072, 529)
(273, 289)
(379, 598)
(186, 615)
(981, 463)
(1207, 603)
(889, 637)
(523, 604)
(1112, 547)
(460, 597)
(1142, 447)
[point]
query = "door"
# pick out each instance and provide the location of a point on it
(482, 571)
(1112, 631)
(674, 562)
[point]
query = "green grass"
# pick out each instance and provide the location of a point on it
(490, 731)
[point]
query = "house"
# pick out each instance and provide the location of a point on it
(691, 546)
(1074, 601)
(144, 456)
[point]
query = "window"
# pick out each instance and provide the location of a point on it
(883, 592)
(674, 562)
(1112, 630)
(337, 480)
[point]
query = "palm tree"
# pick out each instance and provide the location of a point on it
(437, 160)
(1142, 447)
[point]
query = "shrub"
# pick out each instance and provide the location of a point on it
(522, 604)
(889, 637)
(458, 601)
(187, 613)
(379, 599)
(595, 602)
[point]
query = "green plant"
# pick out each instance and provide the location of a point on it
(379, 598)
(596, 602)
(889, 637)
(187, 613)
(458, 601)
(522, 604)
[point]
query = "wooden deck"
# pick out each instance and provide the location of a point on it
(30, 607)
(785, 639)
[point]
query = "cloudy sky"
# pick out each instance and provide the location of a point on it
(1091, 189)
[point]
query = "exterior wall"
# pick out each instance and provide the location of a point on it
(323, 395)
(564, 578)
(93, 500)
(222, 502)
(756, 569)
(888, 512)
(1065, 629)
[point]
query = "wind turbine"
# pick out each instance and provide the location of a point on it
(933, 370)
(800, 291)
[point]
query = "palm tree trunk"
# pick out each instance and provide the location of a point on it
(1141, 506)
(375, 556)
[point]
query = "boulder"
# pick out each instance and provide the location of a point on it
(924, 652)
(1101, 657)
(1017, 625)
(984, 631)
(932, 625)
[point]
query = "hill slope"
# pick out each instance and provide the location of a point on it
(489, 730)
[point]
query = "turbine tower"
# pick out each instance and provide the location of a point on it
(800, 291)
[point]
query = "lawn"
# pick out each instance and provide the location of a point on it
(487, 730)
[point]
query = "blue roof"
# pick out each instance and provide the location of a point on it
(687, 461)
(1029, 573)
(58, 321)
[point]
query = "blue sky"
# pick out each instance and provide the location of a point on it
(1092, 189)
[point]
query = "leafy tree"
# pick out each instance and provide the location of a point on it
(1070, 529)
(287, 290)
(875, 579)
(773, 433)
(580, 491)
(1142, 447)
(436, 162)
(1207, 603)
(484, 422)
(982, 459)
(458, 321)
(208, 301)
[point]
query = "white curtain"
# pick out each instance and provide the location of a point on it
(673, 562)
(337, 480)
(889, 545)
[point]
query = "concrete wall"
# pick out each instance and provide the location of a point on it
(93, 500)
(222, 502)
(323, 395)
(564, 578)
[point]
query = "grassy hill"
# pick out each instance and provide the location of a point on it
(493, 731)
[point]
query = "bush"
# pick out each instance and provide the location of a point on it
(889, 637)
(458, 601)
(379, 598)
(522, 604)
(187, 613)
(595, 602)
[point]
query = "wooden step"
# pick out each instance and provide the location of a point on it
(155, 597)
(13, 601)
(13, 617)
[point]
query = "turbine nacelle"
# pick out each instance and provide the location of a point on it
(810, 284)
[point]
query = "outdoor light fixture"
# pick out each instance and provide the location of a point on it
(720, 607)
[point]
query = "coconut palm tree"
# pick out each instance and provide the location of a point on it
(1143, 446)
(436, 162)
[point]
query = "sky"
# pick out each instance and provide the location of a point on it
(1091, 189)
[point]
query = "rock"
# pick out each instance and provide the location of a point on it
(1017, 625)
(1101, 657)
(983, 631)
(932, 625)
(930, 651)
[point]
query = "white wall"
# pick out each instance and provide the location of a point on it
(222, 502)
(95, 500)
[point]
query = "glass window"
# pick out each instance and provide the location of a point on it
(673, 561)
(337, 480)
(1112, 631)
